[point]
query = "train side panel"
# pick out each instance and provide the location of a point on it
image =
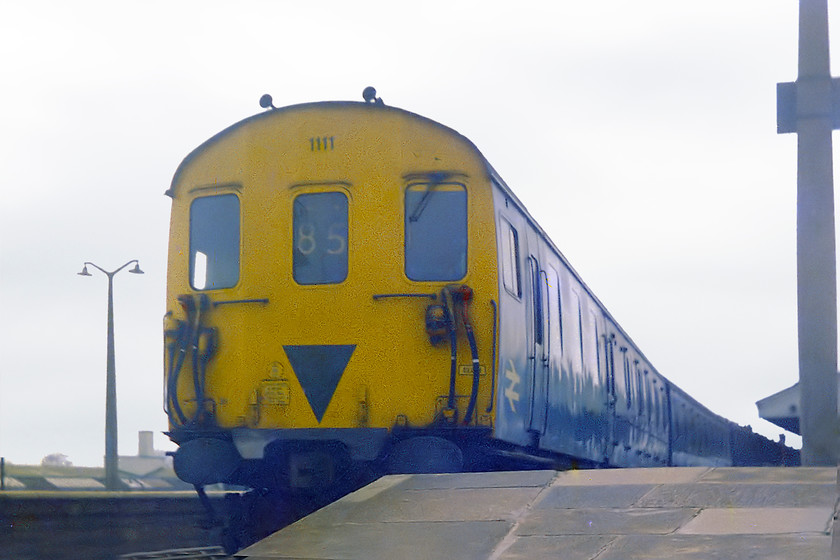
(571, 382)
(552, 394)
(700, 436)
(578, 412)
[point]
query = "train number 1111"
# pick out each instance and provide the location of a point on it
(321, 143)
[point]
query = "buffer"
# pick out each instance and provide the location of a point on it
(319, 368)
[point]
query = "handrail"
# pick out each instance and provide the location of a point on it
(263, 301)
(404, 295)
(493, 359)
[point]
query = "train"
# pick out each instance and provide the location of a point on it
(353, 290)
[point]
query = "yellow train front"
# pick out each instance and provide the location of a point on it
(322, 260)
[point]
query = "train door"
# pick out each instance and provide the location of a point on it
(669, 420)
(622, 425)
(514, 383)
(553, 343)
(601, 398)
(538, 344)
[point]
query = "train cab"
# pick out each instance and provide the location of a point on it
(310, 249)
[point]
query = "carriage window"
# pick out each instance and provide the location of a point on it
(537, 291)
(553, 293)
(657, 404)
(559, 309)
(214, 242)
(435, 232)
(580, 330)
(320, 238)
(594, 356)
(510, 259)
(575, 338)
(640, 389)
(628, 389)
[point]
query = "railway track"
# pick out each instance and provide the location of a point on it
(103, 526)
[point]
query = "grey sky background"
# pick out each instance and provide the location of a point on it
(640, 135)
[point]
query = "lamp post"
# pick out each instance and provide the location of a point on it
(111, 466)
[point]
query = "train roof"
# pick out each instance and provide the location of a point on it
(221, 135)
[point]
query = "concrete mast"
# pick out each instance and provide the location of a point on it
(806, 107)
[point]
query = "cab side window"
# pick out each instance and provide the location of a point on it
(510, 259)
(320, 227)
(435, 231)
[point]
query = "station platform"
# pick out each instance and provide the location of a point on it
(627, 514)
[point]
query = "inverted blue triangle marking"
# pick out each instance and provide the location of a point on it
(319, 368)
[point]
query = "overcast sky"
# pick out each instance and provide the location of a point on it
(641, 135)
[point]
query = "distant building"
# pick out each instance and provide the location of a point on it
(148, 461)
(783, 408)
(150, 469)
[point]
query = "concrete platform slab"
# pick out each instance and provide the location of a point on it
(383, 541)
(605, 521)
(687, 513)
(575, 547)
(769, 475)
(662, 475)
(719, 547)
(738, 495)
(604, 496)
(506, 479)
(754, 521)
(459, 504)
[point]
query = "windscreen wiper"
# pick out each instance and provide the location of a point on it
(433, 180)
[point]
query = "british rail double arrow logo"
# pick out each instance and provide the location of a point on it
(511, 394)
